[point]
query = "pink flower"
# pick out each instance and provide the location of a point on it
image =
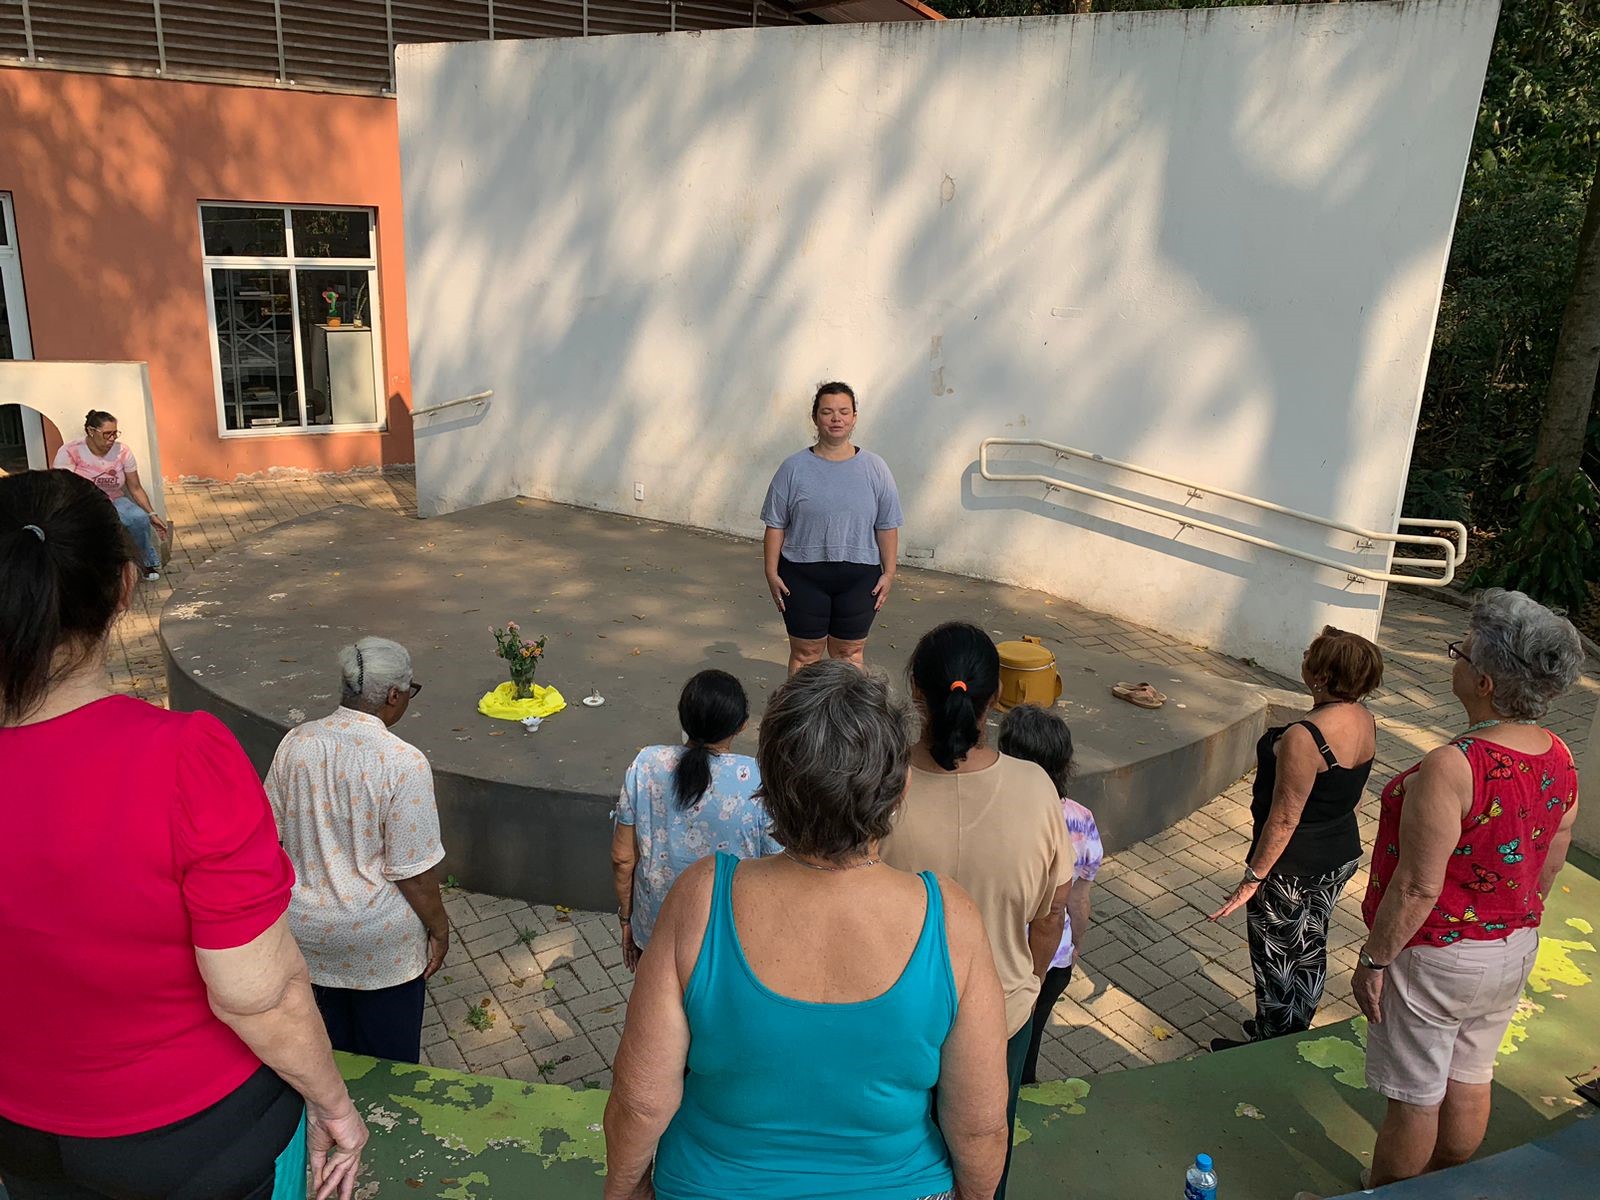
(512, 626)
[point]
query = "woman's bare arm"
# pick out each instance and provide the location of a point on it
(1298, 763)
(647, 1076)
(973, 1085)
(262, 991)
(136, 492)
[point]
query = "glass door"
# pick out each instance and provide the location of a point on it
(21, 429)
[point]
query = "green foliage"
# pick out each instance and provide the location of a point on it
(1512, 258)
(1439, 492)
(480, 1016)
(1551, 547)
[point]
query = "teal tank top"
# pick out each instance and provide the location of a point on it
(790, 1100)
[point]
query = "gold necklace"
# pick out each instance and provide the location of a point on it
(866, 862)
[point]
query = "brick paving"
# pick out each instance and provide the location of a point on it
(540, 993)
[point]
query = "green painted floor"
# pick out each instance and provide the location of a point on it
(1276, 1117)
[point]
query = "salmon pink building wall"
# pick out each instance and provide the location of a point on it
(106, 174)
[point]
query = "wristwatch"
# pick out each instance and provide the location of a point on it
(1371, 964)
(1250, 875)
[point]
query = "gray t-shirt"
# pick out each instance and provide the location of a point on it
(829, 511)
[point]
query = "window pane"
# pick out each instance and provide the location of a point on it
(247, 232)
(255, 344)
(336, 325)
(332, 233)
(7, 350)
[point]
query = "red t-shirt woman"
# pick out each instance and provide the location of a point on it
(157, 1030)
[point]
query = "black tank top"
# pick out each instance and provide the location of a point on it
(1328, 835)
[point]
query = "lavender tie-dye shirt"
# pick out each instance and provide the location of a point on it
(1088, 853)
(671, 839)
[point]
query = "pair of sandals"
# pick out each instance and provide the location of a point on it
(1141, 694)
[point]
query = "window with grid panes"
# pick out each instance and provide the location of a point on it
(296, 338)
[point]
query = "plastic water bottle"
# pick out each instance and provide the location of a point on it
(1201, 1181)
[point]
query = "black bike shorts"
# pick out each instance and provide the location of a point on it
(829, 599)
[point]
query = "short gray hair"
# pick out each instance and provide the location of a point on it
(371, 667)
(834, 749)
(1531, 653)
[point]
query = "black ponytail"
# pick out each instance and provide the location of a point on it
(957, 670)
(711, 709)
(62, 550)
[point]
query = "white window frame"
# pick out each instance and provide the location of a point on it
(17, 322)
(11, 279)
(292, 263)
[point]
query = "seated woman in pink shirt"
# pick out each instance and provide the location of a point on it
(143, 911)
(111, 467)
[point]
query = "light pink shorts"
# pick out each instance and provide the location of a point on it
(1445, 1011)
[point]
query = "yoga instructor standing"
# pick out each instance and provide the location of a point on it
(833, 535)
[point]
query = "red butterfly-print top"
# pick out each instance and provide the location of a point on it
(1491, 886)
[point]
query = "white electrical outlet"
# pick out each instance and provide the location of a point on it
(638, 489)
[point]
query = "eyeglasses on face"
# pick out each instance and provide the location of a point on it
(109, 434)
(411, 692)
(1454, 650)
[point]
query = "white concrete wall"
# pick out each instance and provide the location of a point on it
(64, 391)
(1210, 242)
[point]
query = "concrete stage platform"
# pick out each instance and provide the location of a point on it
(632, 608)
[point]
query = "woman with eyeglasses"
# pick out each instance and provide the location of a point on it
(1469, 844)
(158, 1035)
(108, 464)
(356, 813)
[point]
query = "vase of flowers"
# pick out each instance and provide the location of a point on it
(522, 657)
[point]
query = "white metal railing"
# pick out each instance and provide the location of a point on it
(482, 397)
(1454, 550)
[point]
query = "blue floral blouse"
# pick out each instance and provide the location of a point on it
(728, 817)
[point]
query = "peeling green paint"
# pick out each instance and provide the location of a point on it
(354, 1066)
(1064, 1094)
(1555, 964)
(1517, 1030)
(1346, 1060)
(1064, 1097)
(554, 1123)
(1248, 1110)
(465, 1187)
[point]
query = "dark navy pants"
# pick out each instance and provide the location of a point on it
(383, 1022)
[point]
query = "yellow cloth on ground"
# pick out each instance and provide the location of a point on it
(544, 702)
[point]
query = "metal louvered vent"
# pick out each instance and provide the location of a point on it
(13, 32)
(207, 38)
(343, 46)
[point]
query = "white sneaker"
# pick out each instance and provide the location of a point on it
(151, 575)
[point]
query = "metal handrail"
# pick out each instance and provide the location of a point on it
(476, 398)
(1454, 550)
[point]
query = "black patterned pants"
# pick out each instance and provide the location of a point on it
(1288, 925)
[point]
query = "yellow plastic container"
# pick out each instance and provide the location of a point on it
(1028, 674)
